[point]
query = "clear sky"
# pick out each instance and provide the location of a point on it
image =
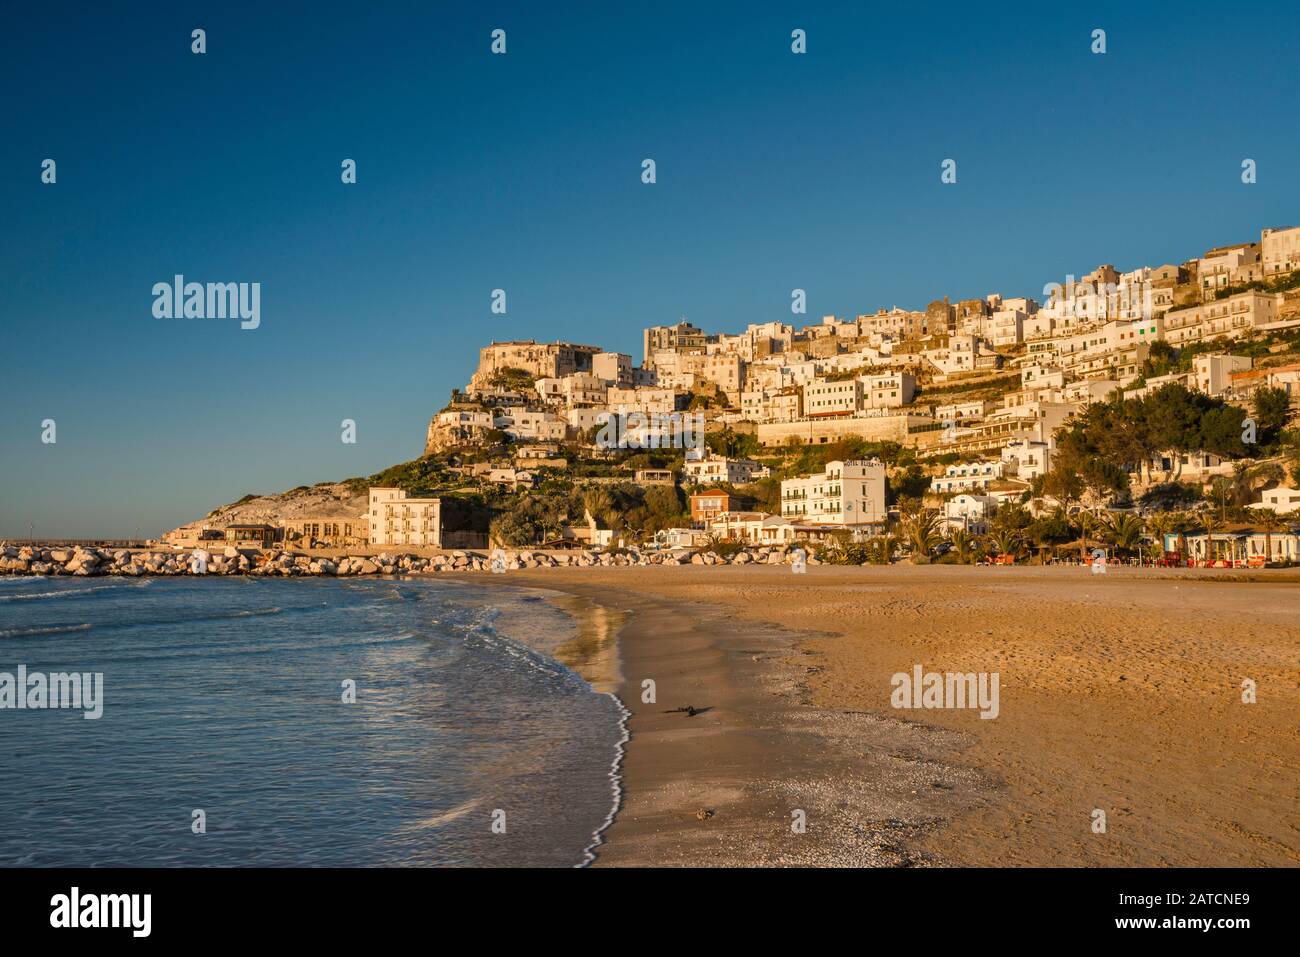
(523, 172)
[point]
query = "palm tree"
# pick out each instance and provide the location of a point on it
(880, 549)
(1125, 531)
(922, 531)
(1088, 524)
(1181, 522)
(1159, 525)
(963, 543)
(1271, 521)
(1210, 523)
(1006, 541)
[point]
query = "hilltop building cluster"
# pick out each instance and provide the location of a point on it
(975, 389)
(991, 378)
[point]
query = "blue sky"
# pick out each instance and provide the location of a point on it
(522, 172)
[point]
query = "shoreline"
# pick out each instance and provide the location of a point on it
(721, 788)
(592, 654)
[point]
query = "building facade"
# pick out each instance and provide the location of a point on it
(847, 494)
(397, 519)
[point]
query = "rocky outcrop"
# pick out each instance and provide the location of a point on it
(341, 501)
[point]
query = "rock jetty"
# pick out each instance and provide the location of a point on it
(87, 561)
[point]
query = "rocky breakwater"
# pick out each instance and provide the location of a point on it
(81, 560)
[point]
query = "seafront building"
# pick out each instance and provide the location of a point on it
(847, 494)
(398, 519)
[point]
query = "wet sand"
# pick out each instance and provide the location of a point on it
(1119, 692)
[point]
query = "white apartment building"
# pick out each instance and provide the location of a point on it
(1117, 347)
(710, 471)
(1280, 250)
(822, 398)
(964, 353)
(1228, 266)
(614, 368)
(964, 411)
(847, 494)
(889, 390)
(1006, 326)
(963, 478)
(847, 397)
(648, 401)
(1041, 377)
(580, 420)
(1026, 458)
(396, 519)
(1231, 317)
(771, 405)
(524, 425)
(573, 390)
(969, 512)
(1038, 326)
(1212, 372)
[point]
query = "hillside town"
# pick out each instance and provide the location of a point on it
(943, 424)
(1147, 414)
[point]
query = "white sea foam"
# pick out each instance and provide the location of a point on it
(61, 593)
(615, 783)
(48, 630)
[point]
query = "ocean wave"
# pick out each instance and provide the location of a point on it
(61, 593)
(188, 619)
(46, 630)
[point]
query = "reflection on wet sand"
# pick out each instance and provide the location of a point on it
(593, 651)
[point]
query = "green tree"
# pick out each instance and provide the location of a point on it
(1270, 521)
(1210, 523)
(963, 544)
(1272, 407)
(1125, 532)
(1006, 541)
(923, 533)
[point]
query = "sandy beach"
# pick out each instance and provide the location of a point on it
(1120, 693)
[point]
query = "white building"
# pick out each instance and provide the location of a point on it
(822, 398)
(846, 494)
(525, 425)
(710, 471)
(613, 367)
(1212, 372)
(1283, 500)
(396, 519)
(1280, 250)
(969, 512)
(889, 390)
(1027, 458)
(962, 478)
(645, 400)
